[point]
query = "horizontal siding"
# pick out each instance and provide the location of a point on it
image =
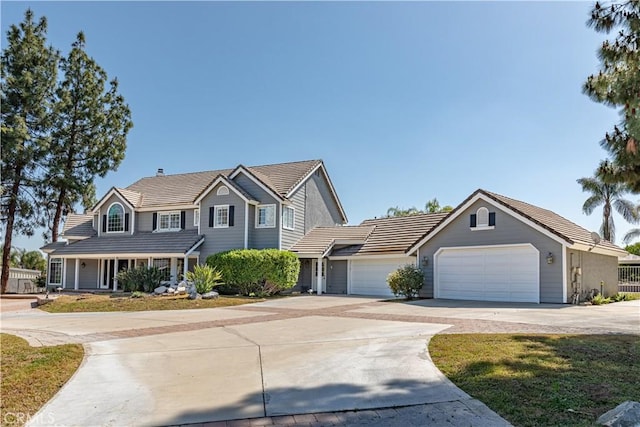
(291, 237)
(221, 239)
(260, 238)
(508, 230)
(320, 207)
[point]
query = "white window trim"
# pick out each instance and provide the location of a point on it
(482, 227)
(215, 216)
(49, 275)
(223, 190)
(196, 217)
(124, 214)
(293, 218)
(166, 230)
(486, 227)
(258, 225)
(478, 224)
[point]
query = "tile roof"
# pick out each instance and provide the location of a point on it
(185, 188)
(78, 225)
(549, 220)
(140, 243)
(321, 239)
(132, 197)
(397, 234)
(393, 235)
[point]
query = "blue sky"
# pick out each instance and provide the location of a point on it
(403, 101)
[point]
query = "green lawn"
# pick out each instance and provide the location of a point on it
(115, 302)
(543, 380)
(31, 376)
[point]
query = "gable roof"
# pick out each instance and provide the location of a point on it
(78, 225)
(126, 196)
(546, 221)
(180, 189)
(320, 240)
(230, 184)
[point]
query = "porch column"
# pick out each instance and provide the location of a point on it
(185, 268)
(319, 276)
(76, 283)
(150, 262)
(64, 273)
(99, 271)
(173, 263)
(115, 275)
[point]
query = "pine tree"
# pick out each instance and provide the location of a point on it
(89, 134)
(28, 81)
(618, 84)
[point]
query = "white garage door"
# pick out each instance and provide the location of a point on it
(369, 277)
(497, 273)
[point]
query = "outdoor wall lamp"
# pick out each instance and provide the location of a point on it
(83, 265)
(550, 258)
(425, 261)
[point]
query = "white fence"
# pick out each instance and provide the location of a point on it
(629, 278)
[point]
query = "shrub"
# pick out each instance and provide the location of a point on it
(204, 278)
(141, 278)
(600, 299)
(257, 272)
(621, 296)
(406, 281)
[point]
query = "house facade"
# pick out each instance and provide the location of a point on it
(489, 248)
(175, 221)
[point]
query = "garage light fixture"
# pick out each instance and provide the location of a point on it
(550, 258)
(425, 261)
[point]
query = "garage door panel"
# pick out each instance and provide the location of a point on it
(369, 277)
(488, 273)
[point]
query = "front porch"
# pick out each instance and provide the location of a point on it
(101, 273)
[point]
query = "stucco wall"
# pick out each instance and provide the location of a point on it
(595, 268)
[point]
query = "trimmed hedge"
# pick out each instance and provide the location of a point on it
(257, 272)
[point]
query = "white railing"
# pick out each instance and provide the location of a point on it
(629, 278)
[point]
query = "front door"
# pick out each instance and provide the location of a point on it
(108, 268)
(323, 271)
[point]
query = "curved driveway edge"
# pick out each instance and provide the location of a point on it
(281, 358)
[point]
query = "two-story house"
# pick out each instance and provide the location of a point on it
(175, 221)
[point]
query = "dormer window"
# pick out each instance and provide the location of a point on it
(482, 219)
(223, 191)
(115, 218)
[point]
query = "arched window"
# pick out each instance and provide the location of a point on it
(115, 218)
(483, 217)
(223, 191)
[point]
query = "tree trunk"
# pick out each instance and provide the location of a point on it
(57, 216)
(11, 213)
(606, 213)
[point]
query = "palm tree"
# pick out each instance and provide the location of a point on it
(609, 195)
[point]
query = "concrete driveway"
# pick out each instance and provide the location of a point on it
(299, 355)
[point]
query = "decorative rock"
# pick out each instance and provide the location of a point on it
(626, 414)
(210, 295)
(160, 290)
(181, 290)
(194, 295)
(173, 286)
(171, 290)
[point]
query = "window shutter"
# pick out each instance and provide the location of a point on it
(473, 220)
(126, 222)
(211, 214)
(231, 215)
(104, 223)
(492, 219)
(183, 219)
(155, 221)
